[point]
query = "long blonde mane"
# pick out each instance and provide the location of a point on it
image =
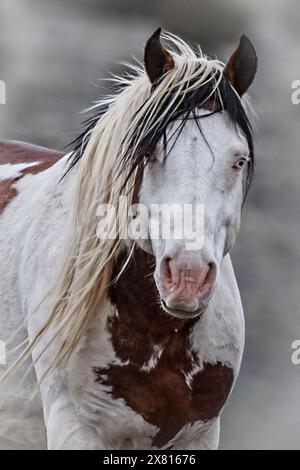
(87, 267)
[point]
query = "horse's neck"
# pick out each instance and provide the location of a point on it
(140, 328)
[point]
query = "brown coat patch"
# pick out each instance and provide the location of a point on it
(20, 152)
(160, 395)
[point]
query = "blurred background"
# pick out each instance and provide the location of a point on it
(52, 55)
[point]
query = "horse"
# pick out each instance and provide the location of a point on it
(123, 342)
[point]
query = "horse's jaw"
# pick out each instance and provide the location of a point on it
(182, 314)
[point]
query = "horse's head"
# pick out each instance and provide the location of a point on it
(199, 161)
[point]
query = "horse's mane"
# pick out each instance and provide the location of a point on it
(120, 135)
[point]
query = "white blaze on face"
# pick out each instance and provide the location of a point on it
(198, 174)
(11, 171)
(202, 169)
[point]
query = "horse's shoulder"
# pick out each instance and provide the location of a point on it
(18, 159)
(16, 153)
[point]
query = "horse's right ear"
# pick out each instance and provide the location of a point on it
(157, 59)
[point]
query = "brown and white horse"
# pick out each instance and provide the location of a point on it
(134, 343)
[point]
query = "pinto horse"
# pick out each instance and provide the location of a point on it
(115, 342)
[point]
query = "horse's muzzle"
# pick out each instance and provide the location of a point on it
(186, 284)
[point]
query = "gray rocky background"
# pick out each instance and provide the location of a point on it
(52, 55)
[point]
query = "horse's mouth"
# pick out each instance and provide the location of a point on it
(181, 314)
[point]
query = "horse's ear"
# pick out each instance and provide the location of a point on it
(157, 59)
(242, 66)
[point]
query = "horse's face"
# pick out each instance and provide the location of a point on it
(203, 171)
(206, 175)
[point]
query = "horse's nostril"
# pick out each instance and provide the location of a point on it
(187, 275)
(210, 278)
(166, 272)
(168, 268)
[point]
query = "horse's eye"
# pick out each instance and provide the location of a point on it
(150, 157)
(239, 165)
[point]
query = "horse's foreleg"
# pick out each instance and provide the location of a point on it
(64, 428)
(65, 431)
(210, 439)
(207, 439)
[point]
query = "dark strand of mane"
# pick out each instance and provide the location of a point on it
(79, 144)
(224, 99)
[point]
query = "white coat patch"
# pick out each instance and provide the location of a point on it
(8, 170)
(153, 361)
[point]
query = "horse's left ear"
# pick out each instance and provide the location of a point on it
(157, 59)
(242, 66)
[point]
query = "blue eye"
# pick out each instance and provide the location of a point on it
(239, 165)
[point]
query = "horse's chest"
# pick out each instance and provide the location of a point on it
(164, 383)
(157, 373)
